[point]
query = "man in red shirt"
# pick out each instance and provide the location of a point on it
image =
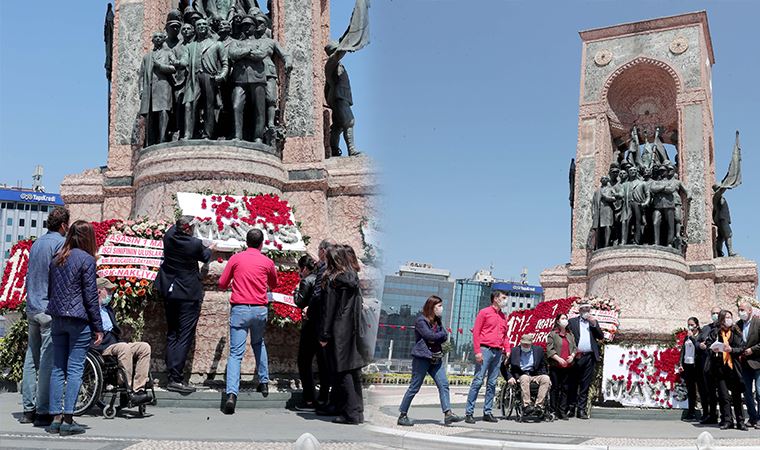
(252, 274)
(488, 337)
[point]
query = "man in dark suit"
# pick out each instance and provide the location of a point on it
(710, 383)
(750, 358)
(179, 283)
(586, 331)
(526, 364)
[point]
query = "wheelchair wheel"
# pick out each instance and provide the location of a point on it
(507, 401)
(92, 386)
(109, 412)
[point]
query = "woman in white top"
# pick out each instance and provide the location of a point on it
(692, 366)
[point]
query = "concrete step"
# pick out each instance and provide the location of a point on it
(215, 399)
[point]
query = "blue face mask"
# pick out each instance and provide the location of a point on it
(107, 299)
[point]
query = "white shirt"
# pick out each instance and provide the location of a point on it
(688, 352)
(584, 343)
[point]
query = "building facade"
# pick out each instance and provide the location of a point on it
(404, 295)
(23, 215)
(520, 295)
(470, 296)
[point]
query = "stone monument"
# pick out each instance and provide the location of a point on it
(638, 80)
(333, 197)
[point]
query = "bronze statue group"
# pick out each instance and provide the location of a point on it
(214, 75)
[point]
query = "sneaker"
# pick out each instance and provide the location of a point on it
(344, 421)
(489, 418)
(405, 421)
(229, 405)
(54, 428)
(306, 406)
(450, 418)
(469, 419)
(67, 429)
(181, 388)
(43, 420)
(27, 417)
(263, 388)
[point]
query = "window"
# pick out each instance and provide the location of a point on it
(44, 224)
(2, 205)
(43, 208)
(34, 223)
(21, 222)
(35, 207)
(20, 206)
(27, 207)
(10, 221)
(7, 254)
(7, 238)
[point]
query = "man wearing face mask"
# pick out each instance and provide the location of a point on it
(125, 352)
(488, 336)
(710, 385)
(586, 331)
(527, 365)
(750, 358)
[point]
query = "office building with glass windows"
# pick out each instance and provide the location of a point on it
(23, 215)
(470, 296)
(520, 295)
(404, 295)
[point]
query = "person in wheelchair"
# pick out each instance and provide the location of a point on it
(124, 352)
(526, 364)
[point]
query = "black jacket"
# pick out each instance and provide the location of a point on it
(109, 337)
(596, 334)
(305, 294)
(340, 322)
(539, 363)
(179, 277)
(737, 347)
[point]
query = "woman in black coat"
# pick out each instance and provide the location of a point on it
(339, 333)
(725, 369)
(692, 362)
(308, 346)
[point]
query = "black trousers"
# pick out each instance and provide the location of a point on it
(711, 391)
(580, 381)
(695, 382)
(561, 381)
(727, 380)
(181, 320)
(348, 395)
(308, 349)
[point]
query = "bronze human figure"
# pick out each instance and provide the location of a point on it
(624, 210)
(206, 63)
(638, 189)
(664, 191)
(156, 89)
(602, 213)
(339, 99)
(722, 220)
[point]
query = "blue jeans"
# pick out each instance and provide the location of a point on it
(420, 368)
(245, 318)
(38, 363)
(490, 368)
(751, 377)
(71, 339)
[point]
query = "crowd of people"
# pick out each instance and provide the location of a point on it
(720, 361)
(69, 313)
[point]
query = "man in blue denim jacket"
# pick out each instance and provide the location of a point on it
(38, 362)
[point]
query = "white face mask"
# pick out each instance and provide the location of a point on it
(439, 310)
(503, 303)
(744, 315)
(107, 299)
(692, 327)
(585, 315)
(563, 323)
(728, 321)
(714, 317)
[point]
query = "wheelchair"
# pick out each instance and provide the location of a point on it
(510, 401)
(100, 387)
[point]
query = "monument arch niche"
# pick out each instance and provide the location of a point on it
(646, 110)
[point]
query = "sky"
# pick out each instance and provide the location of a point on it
(470, 110)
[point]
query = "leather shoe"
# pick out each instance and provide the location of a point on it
(327, 411)
(140, 398)
(450, 418)
(726, 425)
(469, 419)
(179, 387)
(229, 405)
(583, 416)
(263, 388)
(708, 420)
(43, 420)
(741, 426)
(490, 418)
(343, 420)
(27, 417)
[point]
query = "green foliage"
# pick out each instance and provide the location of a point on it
(13, 350)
